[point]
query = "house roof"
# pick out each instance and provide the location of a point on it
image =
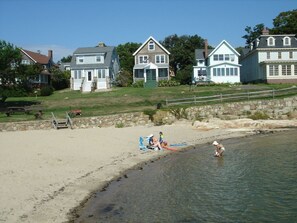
(150, 38)
(106, 50)
(200, 53)
(218, 46)
(278, 41)
(36, 57)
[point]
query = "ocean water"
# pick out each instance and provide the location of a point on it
(255, 181)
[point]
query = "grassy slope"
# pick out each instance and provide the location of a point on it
(118, 100)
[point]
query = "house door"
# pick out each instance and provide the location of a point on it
(151, 78)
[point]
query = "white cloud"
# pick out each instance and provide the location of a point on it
(58, 51)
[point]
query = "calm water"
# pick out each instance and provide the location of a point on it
(256, 181)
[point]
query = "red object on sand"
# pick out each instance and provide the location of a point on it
(172, 149)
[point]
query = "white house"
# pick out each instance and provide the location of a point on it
(151, 63)
(94, 68)
(270, 59)
(219, 65)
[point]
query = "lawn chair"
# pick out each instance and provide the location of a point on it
(141, 144)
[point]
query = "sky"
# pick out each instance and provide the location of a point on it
(65, 25)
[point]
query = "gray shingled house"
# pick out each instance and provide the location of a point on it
(94, 68)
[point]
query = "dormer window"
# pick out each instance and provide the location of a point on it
(287, 41)
(270, 41)
(151, 45)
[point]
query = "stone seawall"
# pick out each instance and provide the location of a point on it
(275, 109)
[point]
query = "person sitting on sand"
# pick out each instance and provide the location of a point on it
(161, 139)
(154, 143)
(219, 149)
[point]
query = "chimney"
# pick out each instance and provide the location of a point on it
(50, 54)
(265, 31)
(101, 44)
(205, 48)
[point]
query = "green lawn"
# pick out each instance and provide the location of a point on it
(118, 100)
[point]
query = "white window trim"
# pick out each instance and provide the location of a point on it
(160, 56)
(289, 41)
(145, 61)
(78, 60)
(268, 41)
(151, 43)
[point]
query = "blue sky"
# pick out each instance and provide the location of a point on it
(64, 25)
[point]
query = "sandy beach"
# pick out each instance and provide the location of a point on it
(44, 174)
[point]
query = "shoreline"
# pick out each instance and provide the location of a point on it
(47, 174)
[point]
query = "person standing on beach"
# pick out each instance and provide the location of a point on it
(219, 149)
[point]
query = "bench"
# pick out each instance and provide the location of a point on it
(13, 110)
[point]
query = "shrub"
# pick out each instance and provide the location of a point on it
(259, 115)
(150, 113)
(179, 113)
(46, 91)
(120, 125)
(138, 84)
(168, 83)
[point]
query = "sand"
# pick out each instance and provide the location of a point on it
(44, 174)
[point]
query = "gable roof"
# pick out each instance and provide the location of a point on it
(91, 50)
(218, 46)
(200, 53)
(150, 38)
(106, 50)
(36, 57)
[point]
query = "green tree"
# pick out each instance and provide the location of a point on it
(10, 60)
(285, 23)
(253, 33)
(60, 79)
(66, 59)
(125, 52)
(182, 54)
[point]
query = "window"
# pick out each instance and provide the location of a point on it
(227, 71)
(236, 71)
(287, 41)
(286, 69)
(143, 59)
(231, 72)
(79, 60)
(25, 62)
(139, 73)
(77, 74)
(270, 41)
(291, 55)
(163, 72)
(214, 72)
(279, 55)
(268, 55)
(222, 71)
(273, 70)
(232, 57)
(216, 57)
(151, 45)
(295, 69)
(101, 73)
(221, 57)
(160, 58)
(227, 57)
(98, 59)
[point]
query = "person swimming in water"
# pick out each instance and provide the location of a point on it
(219, 149)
